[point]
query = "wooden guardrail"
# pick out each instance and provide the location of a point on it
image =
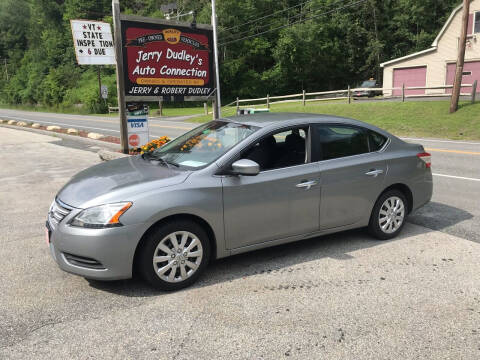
(348, 94)
(112, 109)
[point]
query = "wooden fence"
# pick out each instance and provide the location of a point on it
(349, 95)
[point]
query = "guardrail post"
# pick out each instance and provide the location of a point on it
(474, 91)
(238, 104)
(303, 97)
(403, 92)
(268, 101)
(349, 94)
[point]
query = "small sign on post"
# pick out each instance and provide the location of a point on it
(104, 92)
(93, 42)
(137, 123)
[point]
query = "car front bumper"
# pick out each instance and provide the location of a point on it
(102, 254)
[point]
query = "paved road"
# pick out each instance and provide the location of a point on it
(169, 126)
(456, 165)
(337, 297)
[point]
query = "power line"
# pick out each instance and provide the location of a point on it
(266, 16)
(293, 17)
(266, 25)
(296, 22)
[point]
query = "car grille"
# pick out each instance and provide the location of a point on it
(58, 211)
(83, 261)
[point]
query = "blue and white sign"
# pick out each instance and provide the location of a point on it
(138, 134)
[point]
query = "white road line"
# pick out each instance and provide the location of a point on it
(442, 141)
(456, 177)
(63, 124)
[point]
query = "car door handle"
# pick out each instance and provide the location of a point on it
(306, 184)
(374, 172)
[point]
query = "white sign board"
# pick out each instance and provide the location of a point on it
(137, 131)
(104, 91)
(93, 42)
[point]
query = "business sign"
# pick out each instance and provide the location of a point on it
(93, 42)
(137, 130)
(165, 60)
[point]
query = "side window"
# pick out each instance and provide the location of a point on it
(282, 149)
(337, 141)
(376, 141)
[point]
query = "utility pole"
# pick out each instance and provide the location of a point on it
(6, 68)
(218, 104)
(122, 106)
(99, 82)
(457, 85)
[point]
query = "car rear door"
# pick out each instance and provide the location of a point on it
(275, 204)
(351, 174)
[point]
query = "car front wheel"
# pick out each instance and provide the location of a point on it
(174, 255)
(388, 215)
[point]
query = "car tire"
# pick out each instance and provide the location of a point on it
(388, 215)
(159, 257)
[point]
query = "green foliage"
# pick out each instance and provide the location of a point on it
(86, 92)
(309, 46)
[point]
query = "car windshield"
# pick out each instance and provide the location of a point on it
(204, 144)
(368, 84)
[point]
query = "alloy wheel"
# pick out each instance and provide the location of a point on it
(177, 256)
(391, 215)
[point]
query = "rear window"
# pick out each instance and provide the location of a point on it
(377, 141)
(341, 141)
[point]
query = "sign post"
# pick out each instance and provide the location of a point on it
(122, 106)
(218, 104)
(160, 60)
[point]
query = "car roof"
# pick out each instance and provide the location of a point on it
(268, 119)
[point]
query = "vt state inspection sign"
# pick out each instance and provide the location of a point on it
(93, 42)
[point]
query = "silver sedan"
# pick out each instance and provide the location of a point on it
(232, 186)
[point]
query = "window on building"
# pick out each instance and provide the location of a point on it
(476, 28)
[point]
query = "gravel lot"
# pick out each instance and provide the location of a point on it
(344, 296)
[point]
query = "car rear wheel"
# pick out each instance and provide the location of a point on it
(174, 255)
(388, 215)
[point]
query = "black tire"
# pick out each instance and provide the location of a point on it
(145, 260)
(374, 226)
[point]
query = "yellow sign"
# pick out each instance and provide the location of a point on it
(172, 36)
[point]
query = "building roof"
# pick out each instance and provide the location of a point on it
(434, 44)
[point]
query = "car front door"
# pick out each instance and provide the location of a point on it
(282, 200)
(351, 173)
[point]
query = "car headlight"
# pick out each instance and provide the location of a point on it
(103, 216)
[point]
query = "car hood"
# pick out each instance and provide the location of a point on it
(108, 181)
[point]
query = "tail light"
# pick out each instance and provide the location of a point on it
(426, 158)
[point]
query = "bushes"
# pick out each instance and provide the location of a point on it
(86, 92)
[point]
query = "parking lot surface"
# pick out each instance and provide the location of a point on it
(344, 296)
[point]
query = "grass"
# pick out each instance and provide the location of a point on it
(416, 119)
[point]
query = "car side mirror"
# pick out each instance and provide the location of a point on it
(245, 167)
